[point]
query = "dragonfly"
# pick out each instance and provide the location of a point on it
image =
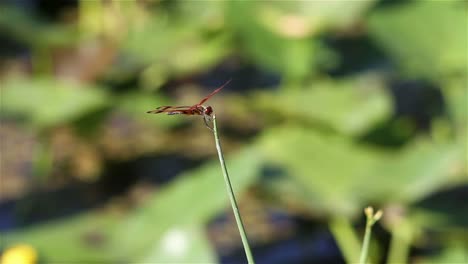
(196, 109)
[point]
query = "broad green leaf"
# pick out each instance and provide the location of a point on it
(169, 228)
(424, 37)
(315, 16)
(350, 107)
(181, 48)
(453, 250)
(291, 56)
(328, 168)
(209, 14)
(48, 102)
(182, 244)
(279, 36)
(189, 201)
(417, 170)
(338, 175)
(33, 31)
(80, 239)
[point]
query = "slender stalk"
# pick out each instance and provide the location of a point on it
(400, 243)
(371, 219)
(232, 198)
(365, 245)
(347, 240)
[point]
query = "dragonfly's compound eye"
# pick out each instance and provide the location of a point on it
(208, 110)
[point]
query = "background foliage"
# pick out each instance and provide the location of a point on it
(333, 106)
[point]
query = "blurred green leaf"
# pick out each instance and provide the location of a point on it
(182, 244)
(279, 36)
(181, 48)
(83, 238)
(454, 252)
(188, 202)
(292, 56)
(339, 174)
(417, 170)
(443, 210)
(169, 228)
(34, 32)
(425, 38)
(317, 15)
(48, 102)
(209, 14)
(327, 167)
(350, 107)
(449, 243)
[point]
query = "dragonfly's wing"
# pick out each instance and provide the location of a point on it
(171, 110)
(214, 92)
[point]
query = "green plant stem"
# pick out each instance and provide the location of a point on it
(400, 242)
(365, 244)
(348, 242)
(232, 198)
(371, 218)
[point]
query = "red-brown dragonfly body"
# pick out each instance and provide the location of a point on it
(197, 109)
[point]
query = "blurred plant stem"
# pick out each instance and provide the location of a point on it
(400, 243)
(346, 238)
(232, 197)
(371, 219)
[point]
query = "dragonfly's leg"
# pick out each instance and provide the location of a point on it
(207, 120)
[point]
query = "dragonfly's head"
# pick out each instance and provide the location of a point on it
(207, 110)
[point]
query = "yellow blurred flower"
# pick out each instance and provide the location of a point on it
(19, 254)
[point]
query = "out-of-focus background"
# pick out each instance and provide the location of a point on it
(333, 106)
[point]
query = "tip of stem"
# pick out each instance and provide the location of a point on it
(369, 211)
(378, 215)
(371, 217)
